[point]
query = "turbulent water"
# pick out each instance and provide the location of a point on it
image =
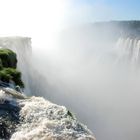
(44, 120)
(106, 83)
(41, 119)
(105, 78)
(37, 117)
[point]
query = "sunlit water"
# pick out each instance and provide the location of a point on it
(102, 88)
(41, 119)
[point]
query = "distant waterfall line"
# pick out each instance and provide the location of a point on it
(128, 49)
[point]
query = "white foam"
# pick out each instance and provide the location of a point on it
(43, 120)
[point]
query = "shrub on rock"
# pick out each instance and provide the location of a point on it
(8, 58)
(8, 74)
(8, 71)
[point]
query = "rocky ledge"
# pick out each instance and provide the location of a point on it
(32, 118)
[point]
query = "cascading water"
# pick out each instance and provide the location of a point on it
(22, 47)
(128, 50)
(46, 121)
(117, 102)
(34, 118)
(108, 107)
(104, 77)
(30, 76)
(39, 119)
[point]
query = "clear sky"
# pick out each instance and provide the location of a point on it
(104, 10)
(39, 18)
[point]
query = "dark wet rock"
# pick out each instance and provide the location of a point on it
(9, 118)
(4, 134)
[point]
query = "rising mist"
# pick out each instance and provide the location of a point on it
(94, 71)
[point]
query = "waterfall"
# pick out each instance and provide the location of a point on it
(106, 84)
(110, 98)
(30, 74)
(128, 50)
(44, 120)
(118, 101)
(22, 47)
(37, 118)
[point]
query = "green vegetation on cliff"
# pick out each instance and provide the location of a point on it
(8, 71)
(8, 58)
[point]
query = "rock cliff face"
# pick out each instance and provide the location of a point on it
(9, 114)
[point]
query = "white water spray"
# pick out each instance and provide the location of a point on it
(100, 82)
(46, 121)
(39, 118)
(129, 50)
(107, 90)
(22, 47)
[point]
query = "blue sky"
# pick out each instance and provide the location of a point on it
(102, 10)
(40, 17)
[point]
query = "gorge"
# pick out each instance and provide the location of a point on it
(93, 70)
(23, 117)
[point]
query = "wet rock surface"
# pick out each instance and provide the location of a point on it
(9, 118)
